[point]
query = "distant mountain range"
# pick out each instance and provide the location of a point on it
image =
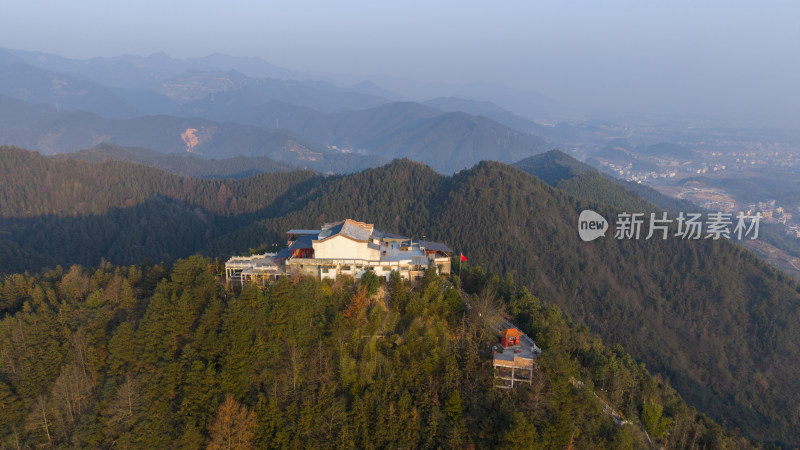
(52, 131)
(26, 82)
(297, 120)
(338, 142)
(222, 88)
(222, 107)
(148, 72)
(448, 141)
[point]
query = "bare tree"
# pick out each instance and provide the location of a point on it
(71, 395)
(487, 314)
(122, 409)
(38, 418)
(234, 426)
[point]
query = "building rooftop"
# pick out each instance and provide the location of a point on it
(302, 232)
(435, 246)
(284, 254)
(388, 236)
(358, 231)
(304, 241)
(510, 333)
(525, 350)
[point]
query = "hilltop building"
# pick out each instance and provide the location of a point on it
(514, 358)
(347, 247)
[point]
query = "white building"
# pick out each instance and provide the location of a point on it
(346, 248)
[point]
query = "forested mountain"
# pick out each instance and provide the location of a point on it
(148, 357)
(560, 170)
(183, 164)
(62, 211)
(710, 318)
(578, 179)
(553, 167)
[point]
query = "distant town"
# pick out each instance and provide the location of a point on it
(695, 175)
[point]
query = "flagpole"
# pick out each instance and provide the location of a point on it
(460, 263)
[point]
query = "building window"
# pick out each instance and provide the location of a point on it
(345, 267)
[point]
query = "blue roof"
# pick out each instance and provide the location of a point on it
(434, 246)
(303, 242)
(283, 254)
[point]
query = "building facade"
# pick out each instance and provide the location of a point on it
(347, 247)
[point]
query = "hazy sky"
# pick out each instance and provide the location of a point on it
(704, 57)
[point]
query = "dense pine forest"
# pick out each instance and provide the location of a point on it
(154, 356)
(708, 317)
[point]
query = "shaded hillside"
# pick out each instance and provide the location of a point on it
(182, 164)
(553, 166)
(581, 180)
(36, 185)
(64, 212)
(714, 321)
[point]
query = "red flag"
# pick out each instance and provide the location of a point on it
(463, 258)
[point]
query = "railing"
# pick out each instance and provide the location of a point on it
(236, 259)
(345, 261)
